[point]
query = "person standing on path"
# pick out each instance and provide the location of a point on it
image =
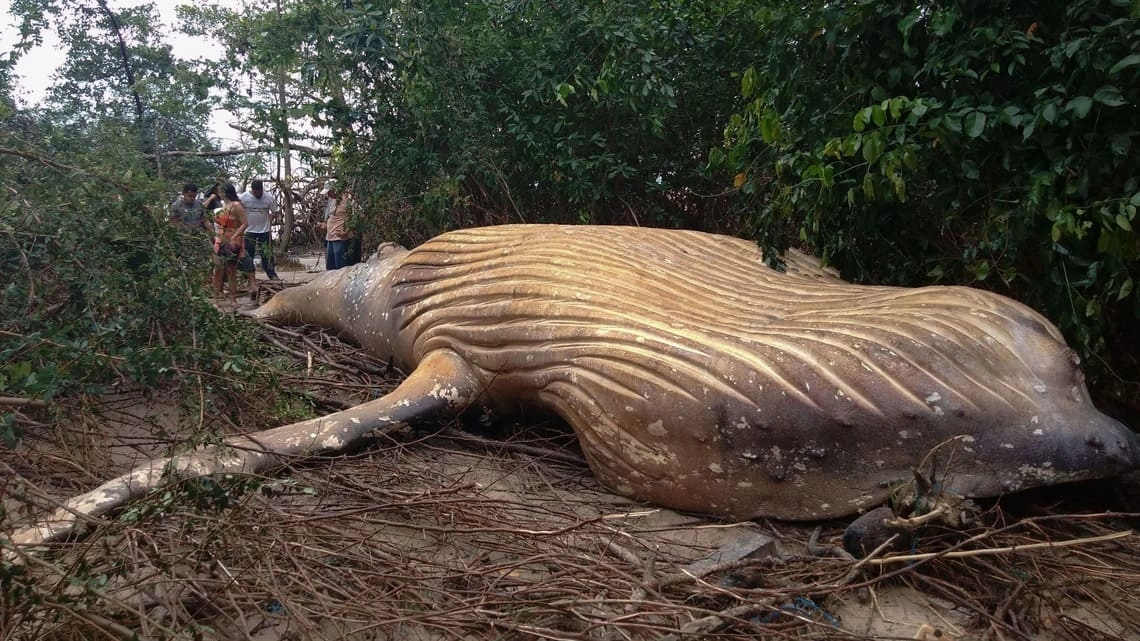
(228, 245)
(261, 211)
(337, 233)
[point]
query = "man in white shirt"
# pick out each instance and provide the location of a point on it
(261, 210)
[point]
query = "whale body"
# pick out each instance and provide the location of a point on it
(698, 378)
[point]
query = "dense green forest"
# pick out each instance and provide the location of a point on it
(993, 144)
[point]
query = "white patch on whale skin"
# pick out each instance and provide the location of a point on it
(1040, 388)
(932, 400)
(1039, 432)
(450, 393)
(715, 468)
(1040, 473)
(656, 428)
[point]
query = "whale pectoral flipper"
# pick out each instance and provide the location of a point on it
(442, 382)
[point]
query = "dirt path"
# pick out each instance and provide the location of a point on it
(301, 266)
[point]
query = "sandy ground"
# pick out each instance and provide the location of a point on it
(302, 266)
(294, 268)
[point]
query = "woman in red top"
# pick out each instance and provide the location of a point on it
(229, 245)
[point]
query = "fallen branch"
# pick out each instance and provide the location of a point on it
(962, 554)
(260, 451)
(11, 401)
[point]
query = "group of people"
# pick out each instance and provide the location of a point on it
(240, 227)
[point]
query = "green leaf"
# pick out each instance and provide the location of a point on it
(1135, 199)
(970, 169)
(1125, 62)
(1123, 222)
(878, 116)
(1093, 308)
(1109, 95)
(975, 123)
(717, 157)
(563, 90)
(895, 106)
(900, 187)
(1120, 144)
(872, 147)
(748, 82)
(1080, 106)
(827, 176)
(952, 122)
(1125, 290)
(1049, 112)
(770, 127)
(859, 123)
